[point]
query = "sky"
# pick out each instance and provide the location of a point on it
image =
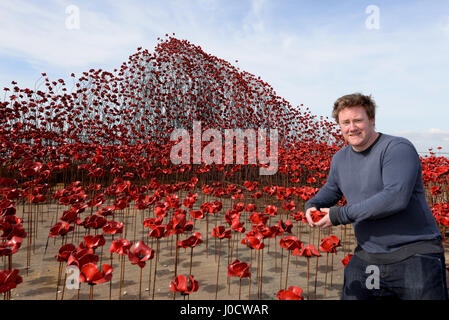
(310, 52)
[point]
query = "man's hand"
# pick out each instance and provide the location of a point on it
(325, 222)
(309, 217)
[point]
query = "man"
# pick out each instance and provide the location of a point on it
(380, 177)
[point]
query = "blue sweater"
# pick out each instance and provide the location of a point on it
(385, 197)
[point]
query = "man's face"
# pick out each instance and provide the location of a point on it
(356, 127)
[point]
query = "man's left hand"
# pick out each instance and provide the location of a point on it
(325, 222)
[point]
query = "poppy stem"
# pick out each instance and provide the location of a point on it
(91, 295)
(280, 280)
(140, 284)
(332, 267)
(191, 259)
(286, 273)
(155, 266)
(316, 276)
(308, 268)
(325, 276)
(218, 269)
(240, 287)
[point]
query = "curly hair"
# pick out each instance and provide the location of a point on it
(353, 100)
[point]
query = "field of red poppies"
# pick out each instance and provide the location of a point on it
(92, 207)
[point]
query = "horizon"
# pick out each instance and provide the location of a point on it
(310, 54)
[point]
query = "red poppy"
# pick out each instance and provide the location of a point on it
(197, 214)
(291, 243)
(253, 240)
(308, 251)
(250, 207)
(292, 293)
(10, 247)
(192, 241)
(7, 207)
(285, 226)
(158, 232)
(330, 244)
(346, 260)
(184, 285)
(271, 210)
(95, 222)
(239, 269)
(317, 215)
(92, 275)
(9, 280)
(64, 252)
(93, 242)
(120, 246)
(221, 233)
(113, 227)
(140, 253)
(258, 217)
(152, 222)
(61, 228)
(288, 206)
(237, 226)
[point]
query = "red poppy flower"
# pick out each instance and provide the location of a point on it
(317, 215)
(288, 206)
(113, 227)
(120, 246)
(7, 207)
(271, 210)
(292, 293)
(140, 253)
(253, 240)
(308, 251)
(291, 243)
(158, 232)
(64, 252)
(92, 275)
(9, 280)
(237, 226)
(152, 222)
(346, 260)
(81, 256)
(184, 285)
(192, 241)
(93, 242)
(221, 233)
(197, 214)
(10, 247)
(239, 269)
(95, 222)
(286, 226)
(250, 207)
(61, 228)
(258, 217)
(330, 244)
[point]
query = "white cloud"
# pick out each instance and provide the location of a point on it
(423, 140)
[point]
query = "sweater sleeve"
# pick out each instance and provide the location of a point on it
(329, 194)
(400, 169)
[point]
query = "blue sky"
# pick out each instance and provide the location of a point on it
(311, 52)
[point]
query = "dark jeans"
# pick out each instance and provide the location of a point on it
(419, 277)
